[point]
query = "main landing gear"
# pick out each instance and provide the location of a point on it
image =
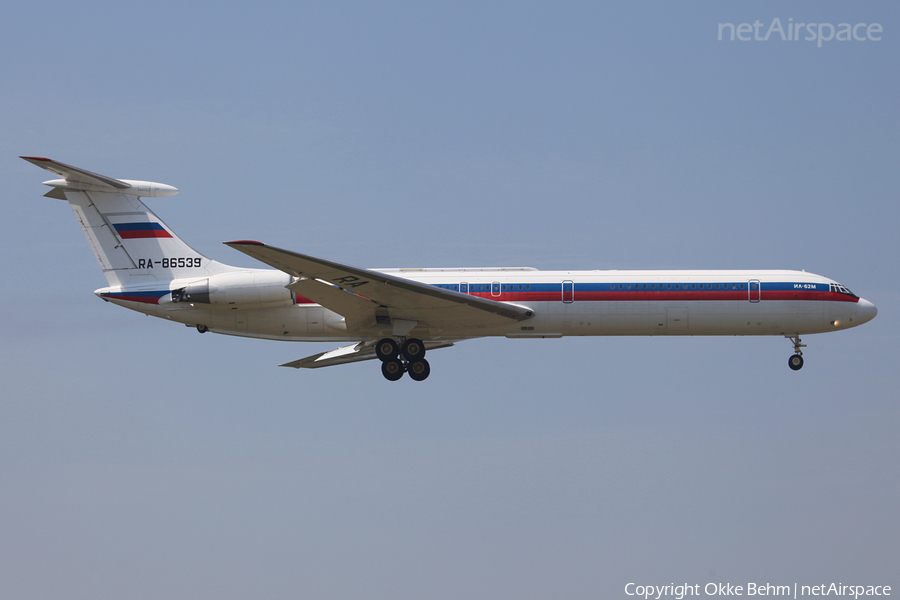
(397, 360)
(795, 362)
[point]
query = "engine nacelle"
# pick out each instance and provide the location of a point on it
(239, 290)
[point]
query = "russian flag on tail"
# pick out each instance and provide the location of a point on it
(130, 231)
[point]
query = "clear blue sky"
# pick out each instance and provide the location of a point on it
(139, 459)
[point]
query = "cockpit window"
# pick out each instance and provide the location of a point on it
(838, 288)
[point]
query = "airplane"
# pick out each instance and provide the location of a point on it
(397, 315)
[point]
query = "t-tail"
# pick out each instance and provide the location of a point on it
(134, 247)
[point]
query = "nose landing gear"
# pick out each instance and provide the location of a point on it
(795, 362)
(409, 357)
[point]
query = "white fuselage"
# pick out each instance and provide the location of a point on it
(395, 315)
(254, 303)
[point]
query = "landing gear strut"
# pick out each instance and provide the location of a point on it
(409, 357)
(795, 362)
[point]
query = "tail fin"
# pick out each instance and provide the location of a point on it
(133, 246)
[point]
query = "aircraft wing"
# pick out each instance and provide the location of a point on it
(349, 354)
(362, 295)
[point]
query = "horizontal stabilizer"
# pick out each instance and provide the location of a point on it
(74, 178)
(70, 173)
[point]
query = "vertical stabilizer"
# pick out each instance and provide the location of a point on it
(133, 246)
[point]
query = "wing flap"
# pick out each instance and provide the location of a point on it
(358, 312)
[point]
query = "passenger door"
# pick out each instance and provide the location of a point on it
(568, 291)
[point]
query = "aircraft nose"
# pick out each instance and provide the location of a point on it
(865, 311)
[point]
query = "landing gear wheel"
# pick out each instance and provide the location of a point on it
(413, 349)
(796, 361)
(202, 328)
(392, 369)
(418, 370)
(386, 349)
